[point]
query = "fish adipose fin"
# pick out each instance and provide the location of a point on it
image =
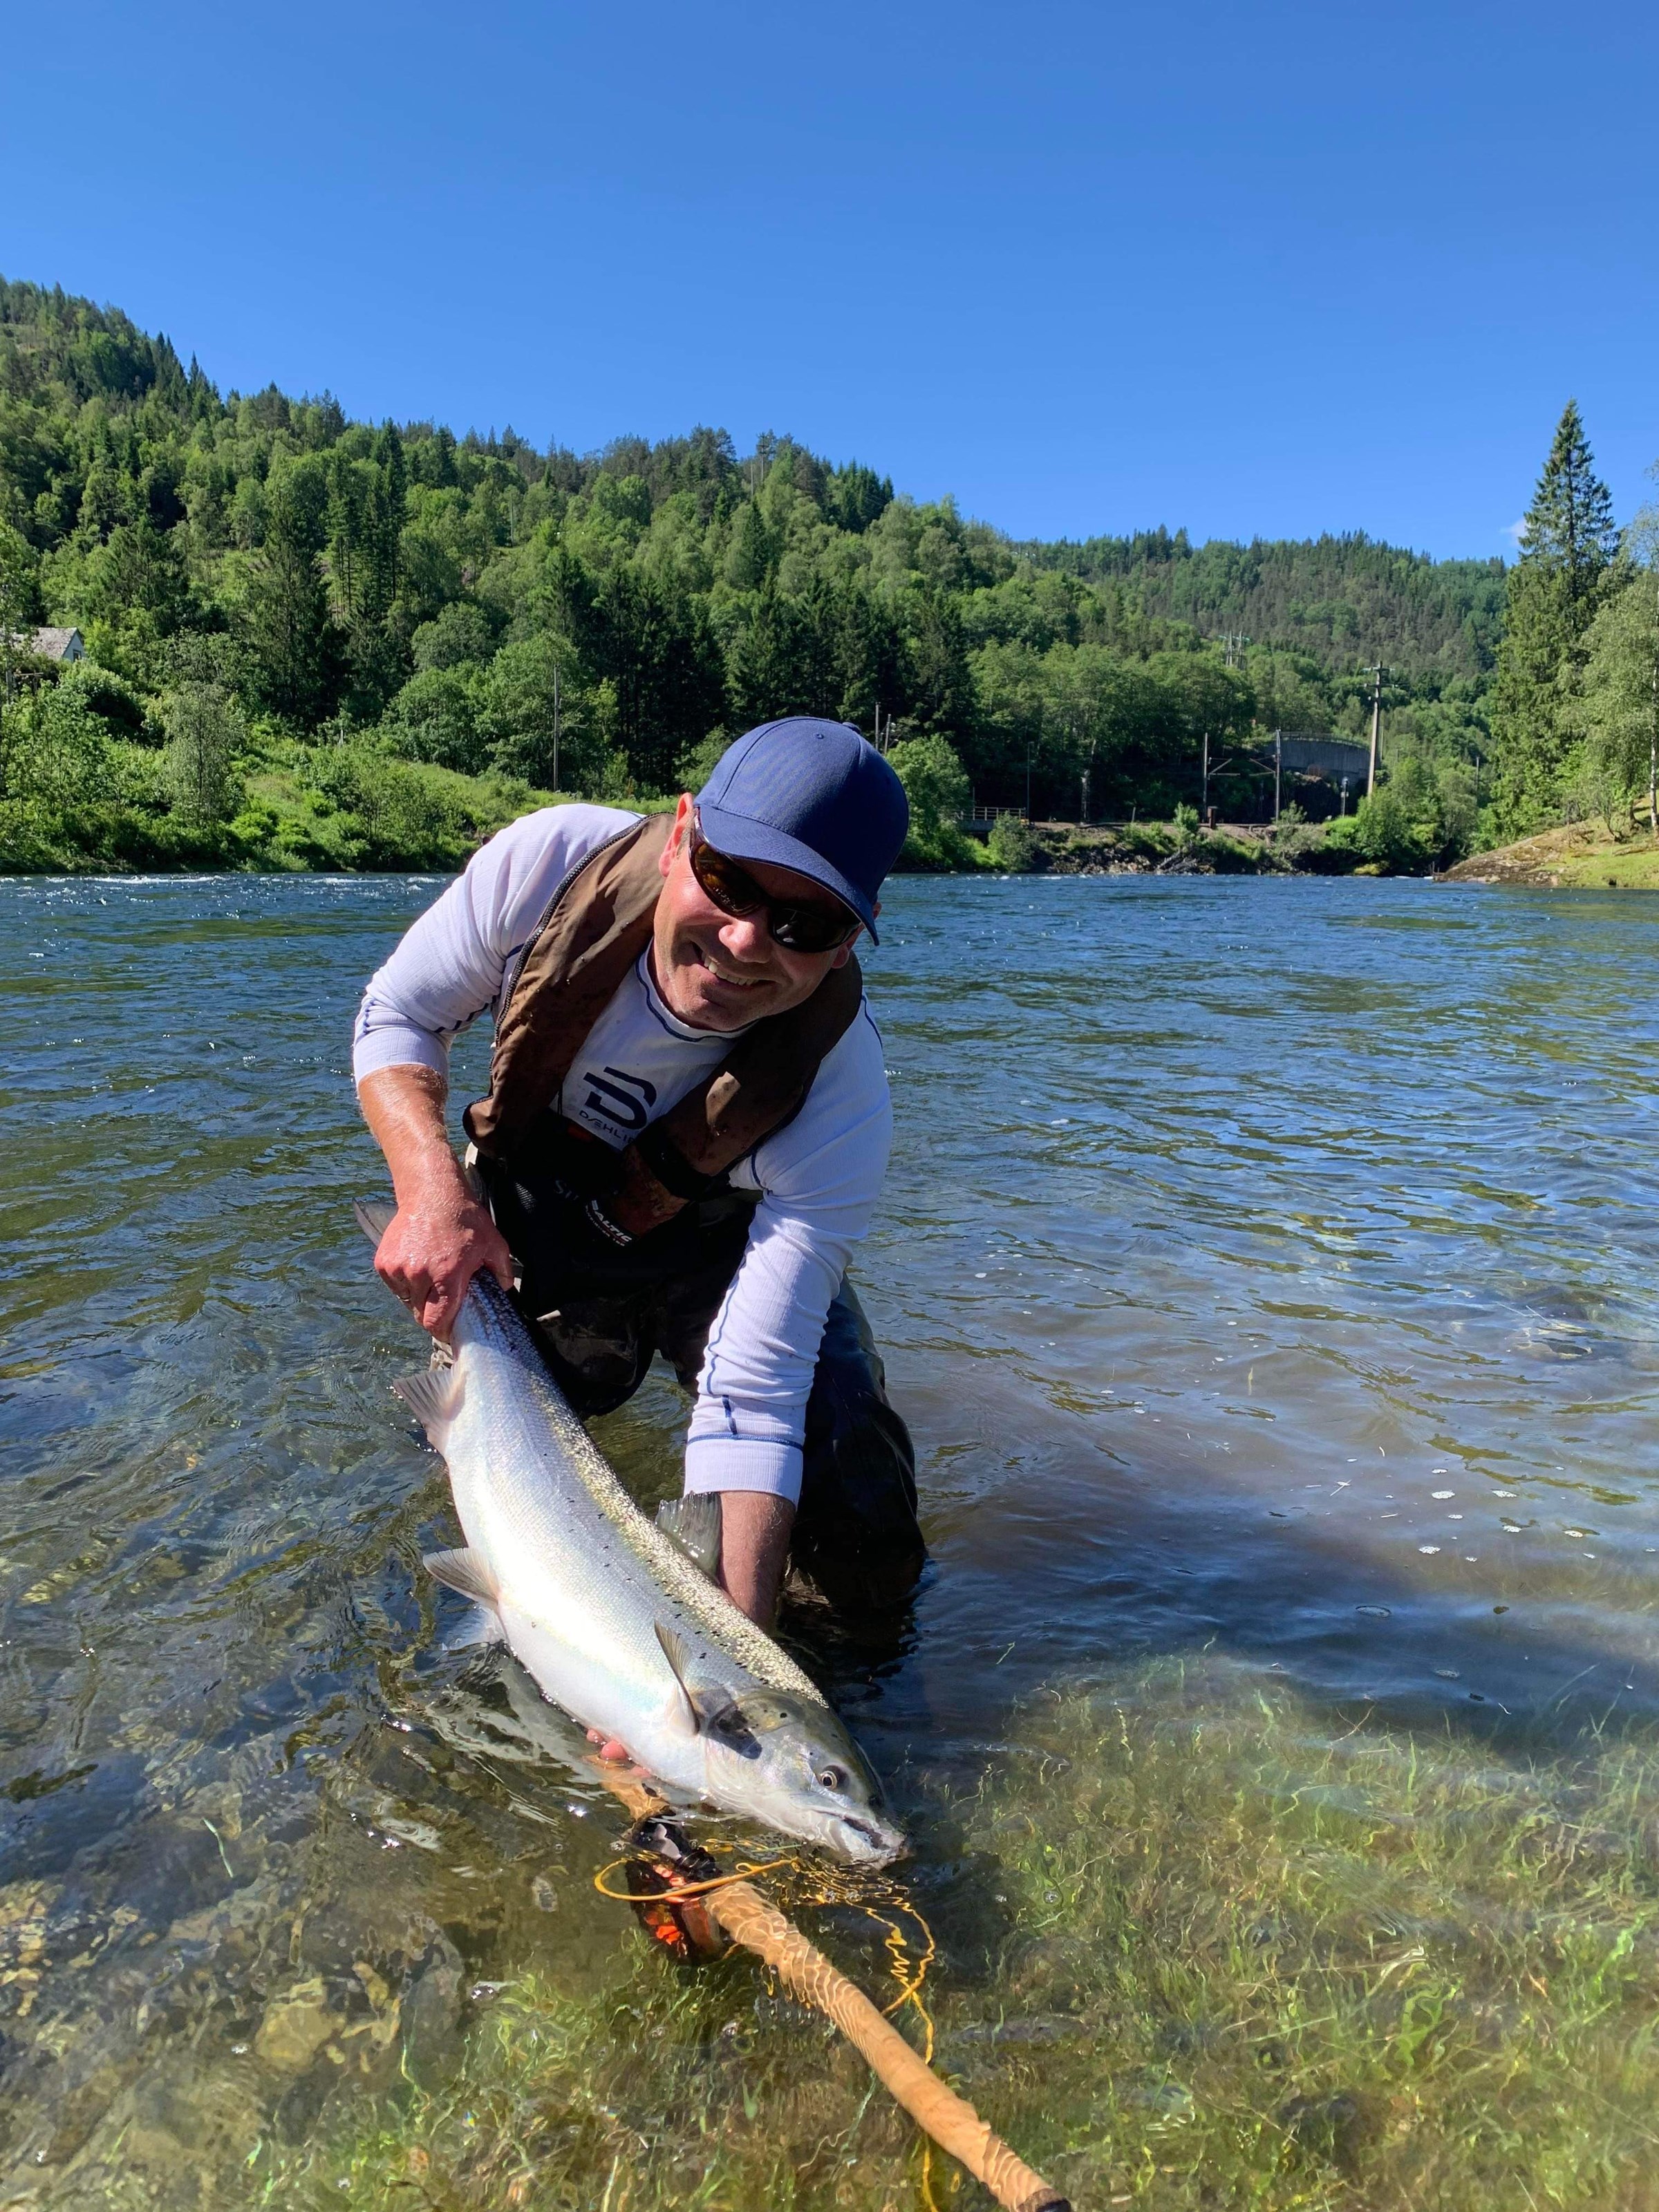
(694, 1523)
(465, 1573)
(434, 1397)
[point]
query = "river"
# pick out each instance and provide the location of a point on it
(1266, 1272)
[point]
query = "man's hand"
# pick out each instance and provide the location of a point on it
(432, 1250)
(440, 1235)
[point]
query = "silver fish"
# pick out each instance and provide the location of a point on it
(608, 1615)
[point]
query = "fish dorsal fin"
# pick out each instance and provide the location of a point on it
(434, 1397)
(694, 1523)
(465, 1573)
(374, 1218)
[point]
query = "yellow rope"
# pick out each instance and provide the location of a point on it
(679, 1889)
(908, 1970)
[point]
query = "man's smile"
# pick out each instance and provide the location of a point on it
(723, 975)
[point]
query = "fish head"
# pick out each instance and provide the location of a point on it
(788, 1761)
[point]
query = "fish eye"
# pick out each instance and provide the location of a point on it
(831, 1778)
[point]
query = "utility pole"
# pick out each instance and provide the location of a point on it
(556, 726)
(1377, 674)
(1206, 776)
(1278, 762)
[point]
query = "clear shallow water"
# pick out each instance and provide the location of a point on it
(1230, 1222)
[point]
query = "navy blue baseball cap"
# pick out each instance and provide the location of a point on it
(814, 796)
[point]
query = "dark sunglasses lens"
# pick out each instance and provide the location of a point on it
(732, 890)
(797, 929)
(809, 929)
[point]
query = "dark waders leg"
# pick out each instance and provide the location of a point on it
(857, 1543)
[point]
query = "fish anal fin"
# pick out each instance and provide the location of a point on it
(694, 1523)
(465, 1573)
(434, 1397)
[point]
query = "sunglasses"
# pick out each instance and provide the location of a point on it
(797, 927)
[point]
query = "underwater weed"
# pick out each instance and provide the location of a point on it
(1203, 1947)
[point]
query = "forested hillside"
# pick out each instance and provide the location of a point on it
(317, 642)
(1331, 597)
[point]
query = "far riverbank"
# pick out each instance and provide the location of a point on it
(1575, 858)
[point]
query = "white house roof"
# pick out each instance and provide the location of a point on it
(58, 644)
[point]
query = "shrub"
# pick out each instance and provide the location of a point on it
(1011, 845)
(1383, 836)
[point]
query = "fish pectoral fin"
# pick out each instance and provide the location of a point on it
(434, 1397)
(697, 1703)
(463, 1571)
(374, 1218)
(694, 1523)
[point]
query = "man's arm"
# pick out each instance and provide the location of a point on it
(440, 1235)
(755, 1529)
(819, 1179)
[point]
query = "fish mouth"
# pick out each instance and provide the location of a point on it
(867, 1842)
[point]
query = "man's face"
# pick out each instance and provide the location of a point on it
(721, 971)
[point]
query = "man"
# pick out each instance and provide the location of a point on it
(685, 1134)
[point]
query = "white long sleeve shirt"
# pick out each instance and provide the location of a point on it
(818, 1178)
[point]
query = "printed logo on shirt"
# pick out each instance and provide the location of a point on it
(618, 1098)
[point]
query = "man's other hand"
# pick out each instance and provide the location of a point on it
(431, 1252)
(754, 1550)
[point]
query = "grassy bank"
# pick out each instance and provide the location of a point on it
(1199, 1945)
(297, 807)
(1578, 857)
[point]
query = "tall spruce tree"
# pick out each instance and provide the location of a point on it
(1568, 550)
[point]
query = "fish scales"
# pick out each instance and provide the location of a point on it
(500, 1330)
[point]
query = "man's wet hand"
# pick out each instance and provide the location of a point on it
(431, 1252)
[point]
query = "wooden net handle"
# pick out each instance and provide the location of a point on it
(950, 2120)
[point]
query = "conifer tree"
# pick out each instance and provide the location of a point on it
(1568, 550)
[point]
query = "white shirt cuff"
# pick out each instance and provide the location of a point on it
(398, 1047)
(743, 1463)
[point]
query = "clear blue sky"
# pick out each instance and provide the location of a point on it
(1274, 269)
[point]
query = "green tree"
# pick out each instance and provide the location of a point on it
(655, 649)
(1618, 699)
(292, 642)
(18, 602)
(936, 784)
(1568, 548)
(205, 733)
(435, 717)
(530, 695)
(748, 556)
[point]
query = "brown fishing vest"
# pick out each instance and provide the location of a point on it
(596, 925)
